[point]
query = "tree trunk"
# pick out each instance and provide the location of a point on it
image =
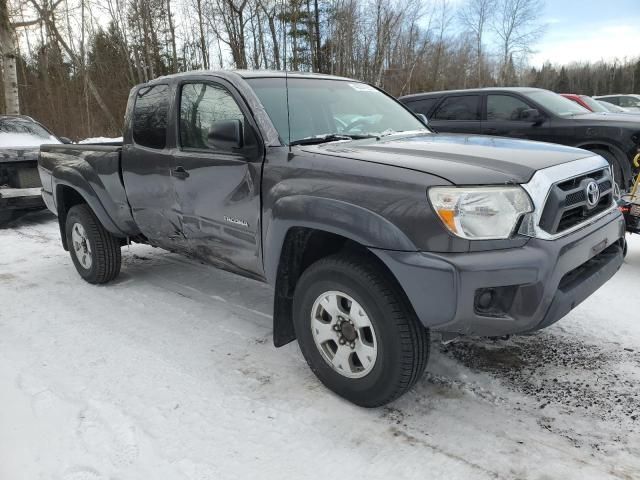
(10, 80)
(172, 34)
(319, 62)
(8, 51)
(274, 39)
(202, 41)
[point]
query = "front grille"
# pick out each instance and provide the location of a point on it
(28, 178)
(574, 182)
(567, 205)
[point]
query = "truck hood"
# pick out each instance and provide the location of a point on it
(19, 154)
(460, 159)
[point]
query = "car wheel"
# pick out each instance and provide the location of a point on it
(616, 168)
(95, 252)
(357, 331)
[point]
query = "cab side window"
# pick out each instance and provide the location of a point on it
(201, 105)
(423, 106)
(505, 107)
(459, 108)
(150, 116)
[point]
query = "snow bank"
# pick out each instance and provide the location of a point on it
(101, 140)
(19, 140)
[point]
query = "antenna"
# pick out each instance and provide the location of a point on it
(286, 88)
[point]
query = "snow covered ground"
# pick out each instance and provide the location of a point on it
(101, 140)
(169, 373)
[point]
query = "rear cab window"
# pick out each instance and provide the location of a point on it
(463, 107)
(150, 113)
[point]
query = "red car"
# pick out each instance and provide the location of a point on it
(586, 102)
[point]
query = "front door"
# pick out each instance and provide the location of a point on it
(218, 189)
(505, 118)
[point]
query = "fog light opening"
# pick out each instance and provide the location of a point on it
(494, 301)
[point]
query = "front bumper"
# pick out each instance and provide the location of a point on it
(21, 199)
(544, 280)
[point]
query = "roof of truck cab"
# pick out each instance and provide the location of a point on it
(417, 96)
(247, 74)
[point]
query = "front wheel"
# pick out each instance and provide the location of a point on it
(616, 168)
(357, 331)
(95, 252)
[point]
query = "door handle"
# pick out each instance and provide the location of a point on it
(491, 131)
(179, 172)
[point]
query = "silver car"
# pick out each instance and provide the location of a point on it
(628, 102)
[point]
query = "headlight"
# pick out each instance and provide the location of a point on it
(480, 213)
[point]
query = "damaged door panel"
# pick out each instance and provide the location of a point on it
(218, 192)
(148, 166)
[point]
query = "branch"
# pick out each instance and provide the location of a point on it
(25, 23)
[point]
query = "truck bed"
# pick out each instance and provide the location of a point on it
(99, 166)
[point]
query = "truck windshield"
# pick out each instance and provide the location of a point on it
(556, 103)
(333, 109)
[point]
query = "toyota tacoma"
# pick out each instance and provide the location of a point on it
(373, 230)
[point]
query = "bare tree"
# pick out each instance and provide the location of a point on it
(47, 18)
(474, 16)
(518, 28)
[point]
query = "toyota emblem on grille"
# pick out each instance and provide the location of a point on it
(593, 194)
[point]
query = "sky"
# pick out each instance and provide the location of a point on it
(589, 30)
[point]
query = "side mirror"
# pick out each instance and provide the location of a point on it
(532, 115)
(65, 140)
(423, 118)
(225, 134)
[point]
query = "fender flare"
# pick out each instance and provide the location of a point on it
(348, 220)
(67, 177)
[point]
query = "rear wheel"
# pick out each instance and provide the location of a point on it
(95, 252)
(6, 216)
(357, 331)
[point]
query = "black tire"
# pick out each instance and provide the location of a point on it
(105, 248)
(402, 341)
(7, 216)
(616, 168)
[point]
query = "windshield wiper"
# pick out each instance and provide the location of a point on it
(329, 137)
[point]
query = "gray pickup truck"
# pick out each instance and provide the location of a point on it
(373, 230)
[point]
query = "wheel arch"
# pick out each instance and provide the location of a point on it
(67, 194)
(617, 152)
(303, 246)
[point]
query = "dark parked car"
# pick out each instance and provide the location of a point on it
(534, 114)
(372, 229)
(20, 140)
